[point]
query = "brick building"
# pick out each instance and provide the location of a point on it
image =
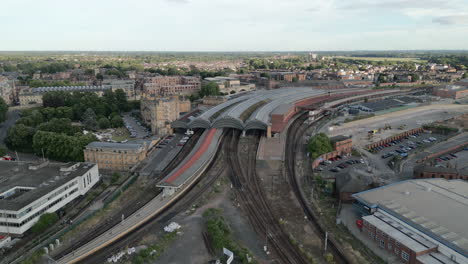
(452, 91)
(342, 144)
(154, 87)
(417, 221)
(116, 156)
(7, 89)
(288, 76)
(160, 113)
(128, 86)
(425, 172)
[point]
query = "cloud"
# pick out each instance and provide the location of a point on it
(451, 20)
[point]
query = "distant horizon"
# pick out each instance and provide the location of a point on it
(246, 51)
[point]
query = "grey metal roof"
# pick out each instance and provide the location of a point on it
(232, 117)
(203, 121)
(114, 146)
(437, 207)
(69, 89)
(44, 180)
(197, 165)
(261, 119)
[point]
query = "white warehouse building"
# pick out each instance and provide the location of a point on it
(29, 190)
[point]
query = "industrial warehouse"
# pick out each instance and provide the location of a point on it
(419, 221)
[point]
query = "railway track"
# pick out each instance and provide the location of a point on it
(215, 169)
(251, 197)
(133, 207)
(294, 134)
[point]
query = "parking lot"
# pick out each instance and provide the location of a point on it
(329, 168)
(135, 128)
(457, 160)
(406, 146)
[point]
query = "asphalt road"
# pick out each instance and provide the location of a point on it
(12, 117)
(140, 131)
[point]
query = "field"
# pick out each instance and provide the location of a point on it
(381, 59)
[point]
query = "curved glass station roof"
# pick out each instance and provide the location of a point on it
(251, 111)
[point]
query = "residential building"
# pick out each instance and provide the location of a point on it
(288, 76)
(116, 156)
(418, 221)
(29, 190)
(7, 88)
(154, 87)
(160, 113)
(128, 86)
(33, 96)
(230, 85)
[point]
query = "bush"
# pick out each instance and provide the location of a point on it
(3, 150)
(45, 221)
(115, 177)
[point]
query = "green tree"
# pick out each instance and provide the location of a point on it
(115, 177)
(20, 137)
(61, 147)
(59, 125)
(103, 123)
(465, 75)
(89, 119)
(121, 100)
(209, 89)
(45, 221)
(3, 110)
(265, 75)
(3, 150)
(55, 99)
(319, 144)
(116, 121)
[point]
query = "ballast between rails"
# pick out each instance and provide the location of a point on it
(153, 208)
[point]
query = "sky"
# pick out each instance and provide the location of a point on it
(233, 25)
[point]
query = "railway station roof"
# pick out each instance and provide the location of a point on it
(251, 111)
(205, 119)
(260, 119)
(203, 151)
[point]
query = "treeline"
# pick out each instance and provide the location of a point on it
(49, 130)
(460, 62)
(192, 71)
(32, 67)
